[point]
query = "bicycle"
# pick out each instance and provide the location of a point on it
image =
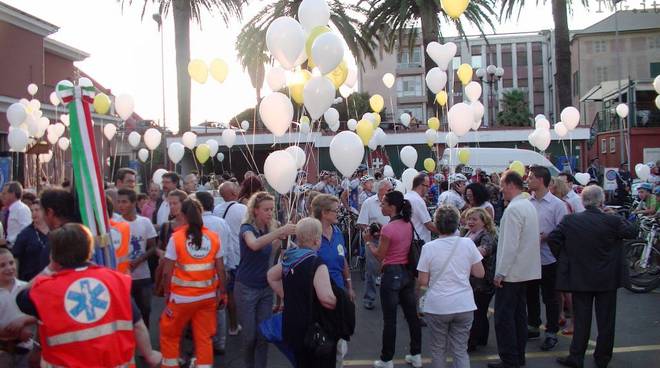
(643, 258)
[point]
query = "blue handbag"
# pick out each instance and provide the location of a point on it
(271, 328)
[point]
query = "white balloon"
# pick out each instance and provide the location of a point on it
(560, 129)
(436, 79)
(298, 155)
(431, 135)
(622, 110)
(334, 127)
(152, 138)
(245, 125)
(539, 116)
(32, 126)
(189, 140)
(228, 137)
(276, 78)
(381, 137)
(441, 54)
(352, 124)
(373, 143)
(408, 156)
(34, 104)
(327, 52)
(582, 178)
(478, 113)
(657, 101)
(543, 139)
(134, 139)
(45, 158)
(338, 100)
(17, 139)
(643, 171)
(54, 100)
(369, 116)
(276, 111)
(109, 131)
(59, 129)
(407, 177)
(319, 92)
(124, 106)
(175, 152)
(345, 91)
(25, 102)
(304, 127)
(460, 118)
(143, 154)
(351, 79)
(43, 124)
(32, 89)
(331, 116)
(473, 91)
(571, 117)
(656, 84)
(451, 139)
(220, 156)
(157, 177)
(280, 171)
(65, 119)
(16, 114)
(213, 146)
(52, 138)
(346, 152)
(313, 13)
(388, 80)
(405, 119)
(542, 124)
(388, 172)
(63, 143)
(285, 40)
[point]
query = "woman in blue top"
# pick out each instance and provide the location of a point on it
(254, 299)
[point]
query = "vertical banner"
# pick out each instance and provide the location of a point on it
(5, 170)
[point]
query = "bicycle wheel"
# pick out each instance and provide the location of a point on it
(642, 279)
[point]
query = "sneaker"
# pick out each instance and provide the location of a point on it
(533, 333)
(381, 364)
(378, 281)
(414, 360)
(235, 332)
(549, 343)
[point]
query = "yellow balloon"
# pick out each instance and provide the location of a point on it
(339, 75)
(434, 123)
(441, 98)
(203, 152)
(517, 167)
(377, 103)
(464, 156)
(454, 8)
(429, 164)
(365, 129)
(430, 143)
(219, 70)
(316, 31)
(377, 119)
(464, 73)
(101, 103)
(198, 71)
(297, 85)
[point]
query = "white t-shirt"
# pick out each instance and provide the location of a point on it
(219, 226)
(450, 197)
(370, 212)
(170, 253)
(9, 310)
(487, 205)
(420, 215)
(450, 292)
(163, 214)
(234, 218)
(19, 218)
(141, 230)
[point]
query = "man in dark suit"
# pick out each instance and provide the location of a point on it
(589, 246)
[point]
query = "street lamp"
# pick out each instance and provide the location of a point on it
(490, 75)
(159, 21)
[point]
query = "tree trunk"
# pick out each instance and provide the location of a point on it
(562, 56)
(430, 33)
(181, 11)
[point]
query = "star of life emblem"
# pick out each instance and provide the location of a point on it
(87, 300)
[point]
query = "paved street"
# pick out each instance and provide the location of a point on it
(637, 343)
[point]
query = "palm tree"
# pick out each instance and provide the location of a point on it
(394, 21)
(562, 44)
(251, 42)
(183, 12)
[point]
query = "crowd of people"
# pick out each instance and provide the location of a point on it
(229, 255)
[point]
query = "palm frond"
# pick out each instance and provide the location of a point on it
(226, 9)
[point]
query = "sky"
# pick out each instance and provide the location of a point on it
(125, 52)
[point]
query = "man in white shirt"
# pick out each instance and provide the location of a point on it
(572, 198)
(421, 218)
(142, 246)
(454, 196)
(518, 261)
(370, 213)
(233, 213)
(190, 183)
(18, 215)
(169, 183)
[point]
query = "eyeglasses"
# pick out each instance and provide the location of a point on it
(333, 210)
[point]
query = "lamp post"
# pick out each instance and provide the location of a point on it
(159, 21)
(491, 75)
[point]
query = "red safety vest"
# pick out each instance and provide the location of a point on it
(120, 234)
(194, 271)
(86, 318)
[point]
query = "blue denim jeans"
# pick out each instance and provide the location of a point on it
(398, 287)
(253, 306)
(372, 267)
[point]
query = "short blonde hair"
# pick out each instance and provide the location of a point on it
(322, 202)
(308, 230)
(561, 187)
(489, 225)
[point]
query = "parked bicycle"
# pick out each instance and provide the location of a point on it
(643, 257)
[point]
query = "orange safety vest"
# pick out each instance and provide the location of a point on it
(86, 318)
(194, 270)
(120, 234)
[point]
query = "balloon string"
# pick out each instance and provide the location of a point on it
(240, 130)
(393, 114)
(569, 158)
